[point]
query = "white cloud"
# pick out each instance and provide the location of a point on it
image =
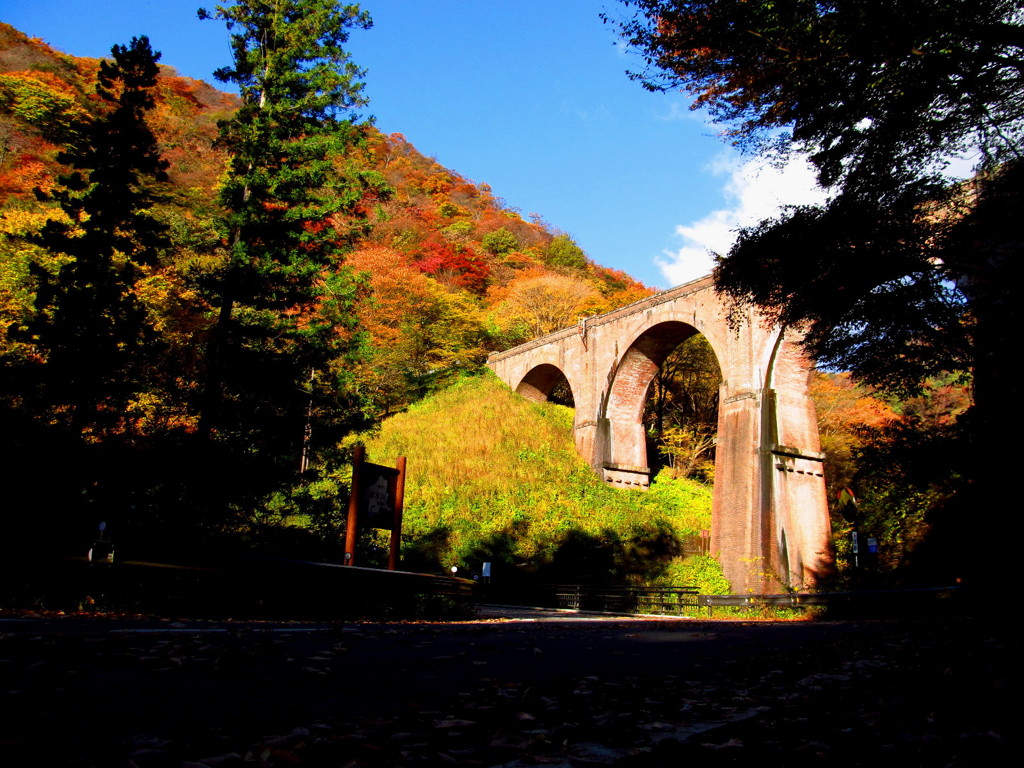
(679, 109)
(754, 190)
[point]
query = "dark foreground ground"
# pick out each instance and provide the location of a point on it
(517, 691)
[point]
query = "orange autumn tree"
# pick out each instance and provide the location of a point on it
(845, 410)
(421, 332)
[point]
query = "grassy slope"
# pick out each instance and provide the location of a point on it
(493, 477)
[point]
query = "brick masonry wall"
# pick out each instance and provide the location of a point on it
(769, 525)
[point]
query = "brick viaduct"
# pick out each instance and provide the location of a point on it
(769, 515)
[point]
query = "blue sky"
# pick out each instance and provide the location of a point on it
(529, 96)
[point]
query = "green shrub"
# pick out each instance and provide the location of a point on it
(701, 571)
(563, 252)
(499, 242)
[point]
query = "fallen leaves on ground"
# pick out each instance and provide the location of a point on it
(922, 693)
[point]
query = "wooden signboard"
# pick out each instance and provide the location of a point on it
(375, 502)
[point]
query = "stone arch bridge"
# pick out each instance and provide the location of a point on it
(769, 514)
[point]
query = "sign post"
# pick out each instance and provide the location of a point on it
(396, 528)
(352, 520)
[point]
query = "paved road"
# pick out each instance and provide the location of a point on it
(513, 688)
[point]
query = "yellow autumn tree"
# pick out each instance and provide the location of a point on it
(17, 286)
(540, 303)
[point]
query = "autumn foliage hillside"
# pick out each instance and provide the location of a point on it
(128, 272)
(43, 92)
(451, 272)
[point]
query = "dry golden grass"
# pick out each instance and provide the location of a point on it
(479, 438)
(488, 470)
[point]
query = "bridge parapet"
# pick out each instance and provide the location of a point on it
(641, 305)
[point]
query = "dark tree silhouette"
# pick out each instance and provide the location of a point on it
(93, 336)
(896, 278)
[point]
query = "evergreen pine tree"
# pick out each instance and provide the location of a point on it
(92, 333)
(93, 346)
(279, 356)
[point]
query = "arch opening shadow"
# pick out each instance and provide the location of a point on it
(655, 391)
(786, 571)
(547, 383)
(681, 411)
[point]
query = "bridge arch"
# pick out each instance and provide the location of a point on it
(626, 460)
(770, 517)
(543, 383)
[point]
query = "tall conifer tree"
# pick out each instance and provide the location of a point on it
(276, 359)
(94, 347)
(90, 328)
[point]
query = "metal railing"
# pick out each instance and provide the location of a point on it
(684, 601)
(661, 601)
(888, 602)
(252, 588)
